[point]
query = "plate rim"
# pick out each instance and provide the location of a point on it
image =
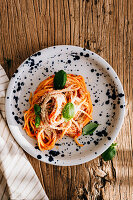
(84, 159)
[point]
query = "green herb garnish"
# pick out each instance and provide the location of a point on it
(37, 121)
(60, 79)
(110, 152)
(37, 109)
(90, 128)
(68, 111)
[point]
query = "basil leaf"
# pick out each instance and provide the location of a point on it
(89, 128)
(37, 109)
(37, 121)
(60, 79)
(109, 153)
(68, 111)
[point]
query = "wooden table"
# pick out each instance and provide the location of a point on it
(104, 27)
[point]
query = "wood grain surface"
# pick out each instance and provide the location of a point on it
(105, 27)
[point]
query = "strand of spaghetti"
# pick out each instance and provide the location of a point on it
(61, 128)
(73, 96)
(39, 94)
(48, 143)
(32, 124)
(62, 134)
(85, 113)
(30, 98)
(64, 90)
(75, 138)
(76, 124)
(78, 107)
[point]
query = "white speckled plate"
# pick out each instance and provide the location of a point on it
(106, 93)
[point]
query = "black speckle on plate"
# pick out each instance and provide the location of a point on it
(39, 157)
(50, 159)
(121, 106)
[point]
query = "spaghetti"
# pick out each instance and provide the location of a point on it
(52, 125)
